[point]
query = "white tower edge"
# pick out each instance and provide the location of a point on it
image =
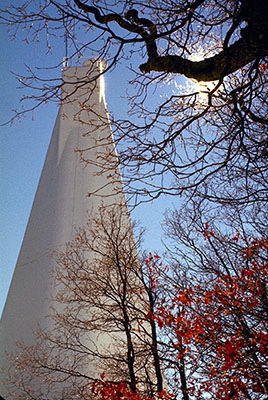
(60, 205)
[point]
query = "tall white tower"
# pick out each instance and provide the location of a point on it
(61, 203)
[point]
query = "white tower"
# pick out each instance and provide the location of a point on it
(60, 204)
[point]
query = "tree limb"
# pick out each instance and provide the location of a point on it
(245, 50)
(214, 68)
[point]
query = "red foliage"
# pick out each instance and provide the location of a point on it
(222, 321)
(105, 390)
(206, 232)
(263, 67)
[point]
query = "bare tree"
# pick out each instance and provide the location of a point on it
(180, 141)
(196, 328)
(205, 140)
(217, 312)
(100, 330)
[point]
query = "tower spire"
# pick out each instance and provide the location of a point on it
(60, 205)
(65, 58)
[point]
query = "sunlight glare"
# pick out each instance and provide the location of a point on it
(102, 84)
(202, 87)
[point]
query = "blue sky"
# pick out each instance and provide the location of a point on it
(23, 147)
(22, 150)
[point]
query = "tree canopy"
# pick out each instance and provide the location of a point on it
(195, 328)
(251, 46)
(177, 142)
(197, 130)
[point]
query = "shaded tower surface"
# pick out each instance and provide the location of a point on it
(60, 205)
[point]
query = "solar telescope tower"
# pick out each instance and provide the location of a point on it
(61, 204)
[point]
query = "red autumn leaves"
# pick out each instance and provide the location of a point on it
(217, 327)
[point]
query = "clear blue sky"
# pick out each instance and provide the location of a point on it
(23, 147)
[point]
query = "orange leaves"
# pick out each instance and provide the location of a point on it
(150, 260)
(262, 339)
(236, 237)
(219, 321)
(229, 352)
(207, 297)
(206, 232)
(263, 67)
(183, 297)
(255, 246)
(113, 391)
(105, 390)
(153, 271)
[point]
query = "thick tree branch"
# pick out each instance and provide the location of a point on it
(253, 44)
(226, 62)
(113, 17)
(137, 25)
